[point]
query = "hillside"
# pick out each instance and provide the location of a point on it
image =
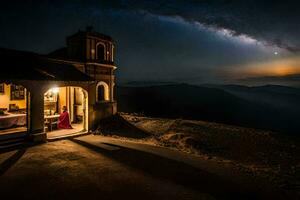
(270, 107)
(274, 95)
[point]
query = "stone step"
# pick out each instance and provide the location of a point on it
(68, 136)
(9, 143)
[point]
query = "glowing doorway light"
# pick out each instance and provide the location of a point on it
(54, 90)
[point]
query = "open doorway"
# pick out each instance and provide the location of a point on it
(65, 111)
(13, 109)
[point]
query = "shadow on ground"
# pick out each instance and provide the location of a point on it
(177, 172)
(117, 125)
(8, 163)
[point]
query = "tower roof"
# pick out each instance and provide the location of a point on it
(89, 32)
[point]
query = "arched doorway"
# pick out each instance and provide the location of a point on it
(14, 101)
(69, 104)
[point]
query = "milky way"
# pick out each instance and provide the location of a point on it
(184, 41)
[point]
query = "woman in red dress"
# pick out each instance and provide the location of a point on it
(64, 120)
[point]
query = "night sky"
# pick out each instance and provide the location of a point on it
(192, 41)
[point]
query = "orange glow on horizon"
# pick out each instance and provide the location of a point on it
(285, 70)
(282, 67)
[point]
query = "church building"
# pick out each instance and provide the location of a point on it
(35, 89)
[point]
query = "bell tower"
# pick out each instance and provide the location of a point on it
(95, 53)
(90, 46)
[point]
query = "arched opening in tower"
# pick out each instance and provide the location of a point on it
(100, 52)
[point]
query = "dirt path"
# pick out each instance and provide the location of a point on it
(95, 167)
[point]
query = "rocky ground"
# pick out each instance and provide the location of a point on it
(258, 153)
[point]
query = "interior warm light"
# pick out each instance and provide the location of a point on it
(55, 90)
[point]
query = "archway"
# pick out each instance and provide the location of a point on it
(14, 101)
(100, 51)
(102, 92)
(75, 100)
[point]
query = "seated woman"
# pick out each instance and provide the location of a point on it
(64, 120)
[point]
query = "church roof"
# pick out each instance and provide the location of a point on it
(21, 65)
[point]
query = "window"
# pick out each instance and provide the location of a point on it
(100, 51)
(102, 91)
(100, 96)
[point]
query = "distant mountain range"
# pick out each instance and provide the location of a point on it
(269, 107)
(273, 95)
(147, 83)
(288, 80)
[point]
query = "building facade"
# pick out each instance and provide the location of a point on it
(79, 76)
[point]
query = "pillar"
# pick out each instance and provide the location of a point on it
(37, 133)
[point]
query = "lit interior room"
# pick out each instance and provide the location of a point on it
(64, 111)
(13, 109)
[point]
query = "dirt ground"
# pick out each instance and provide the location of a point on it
(96, 168)
(259, 153)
